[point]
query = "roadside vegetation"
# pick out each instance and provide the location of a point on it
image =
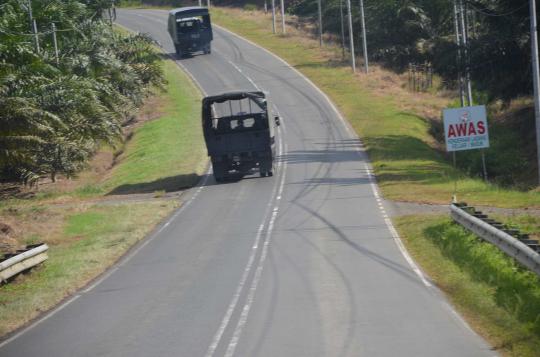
(59, 104)
(92, 219)
(399, 128)
(500, 299)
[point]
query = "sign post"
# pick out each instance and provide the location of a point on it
(466, 128)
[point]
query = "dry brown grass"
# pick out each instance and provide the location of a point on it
(28, 222)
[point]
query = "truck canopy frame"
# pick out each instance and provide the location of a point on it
(192, 11)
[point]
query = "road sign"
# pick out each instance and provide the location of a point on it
(466, 128)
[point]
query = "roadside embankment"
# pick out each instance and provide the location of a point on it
(497, 297)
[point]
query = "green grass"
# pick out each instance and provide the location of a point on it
(91, 241)
(398, 142)
(168, 153)
(497, 297)
(164, 154)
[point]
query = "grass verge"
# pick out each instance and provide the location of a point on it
(499, 299)
(398, 139)
(165, 153)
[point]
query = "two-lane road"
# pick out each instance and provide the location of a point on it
(304, 263)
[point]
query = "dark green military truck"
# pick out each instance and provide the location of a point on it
(190, 29)
(239, 130)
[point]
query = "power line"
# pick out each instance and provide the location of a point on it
(492, 14)
(43, 33)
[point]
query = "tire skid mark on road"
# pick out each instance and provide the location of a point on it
(330, 144)
(374, 186)
(276, 196)
(324, 168)
(332, 128)
(368, 168)
(270, 217)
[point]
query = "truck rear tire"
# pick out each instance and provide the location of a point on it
(220, 171)
(266, 168)
(178, 51)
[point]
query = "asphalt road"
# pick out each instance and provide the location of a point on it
(304, 263)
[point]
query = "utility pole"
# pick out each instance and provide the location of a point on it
(110, 15)
(200, 3)
(364, 38)
(465, 53)
(33, 25)
(458, 43)
(351, 37)
(55, 44)
(536, 80)
(463, 57)
(283, 16)
(465, 33)
(319, 6)
(34, 28)
(208, 3)
(342, 30)
(274, 17)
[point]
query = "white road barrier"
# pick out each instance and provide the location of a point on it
(22, 262)
(512, 246)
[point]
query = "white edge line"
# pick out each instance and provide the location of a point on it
(258, 274)
(40, 320)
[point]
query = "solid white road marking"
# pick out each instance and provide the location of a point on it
(256, 279)
(276, 192)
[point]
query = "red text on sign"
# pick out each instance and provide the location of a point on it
(466, 129)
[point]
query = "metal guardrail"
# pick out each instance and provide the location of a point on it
(520, 247)
(23, 261)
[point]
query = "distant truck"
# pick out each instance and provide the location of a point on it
(190, 29)
(239, 131)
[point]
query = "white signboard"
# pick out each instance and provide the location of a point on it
(466, 128)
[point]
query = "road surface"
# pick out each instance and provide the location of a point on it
(304, 263)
